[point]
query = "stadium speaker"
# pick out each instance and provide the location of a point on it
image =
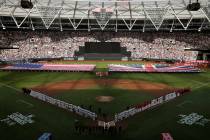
(26, 4)
(193, 6)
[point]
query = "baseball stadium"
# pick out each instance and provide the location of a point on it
(104, 69)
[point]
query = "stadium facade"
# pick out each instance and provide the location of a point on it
(107, 15)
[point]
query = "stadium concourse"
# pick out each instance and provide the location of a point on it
(104, 69)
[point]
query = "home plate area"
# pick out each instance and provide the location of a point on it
(104, 98)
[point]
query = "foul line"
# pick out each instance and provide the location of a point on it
(8, 86)
(16, 89)
(203, 85)
(25, 102)
(183, 103)
(197, 82)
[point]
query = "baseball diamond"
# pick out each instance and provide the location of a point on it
(104, 69)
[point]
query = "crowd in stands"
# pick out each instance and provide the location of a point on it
(49, 44)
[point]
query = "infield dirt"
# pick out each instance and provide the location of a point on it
(54, 88)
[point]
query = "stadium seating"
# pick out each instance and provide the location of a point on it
(64, 44)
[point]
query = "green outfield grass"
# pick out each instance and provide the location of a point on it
(146, 125)
(122, 99)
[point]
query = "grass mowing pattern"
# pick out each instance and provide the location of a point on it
(146, 125)
(122, 99)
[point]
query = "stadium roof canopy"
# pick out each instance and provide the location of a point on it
(105, 15)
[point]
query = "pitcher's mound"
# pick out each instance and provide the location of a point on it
(104, 98)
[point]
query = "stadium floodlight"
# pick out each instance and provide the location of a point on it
(102, 15)
(26, 4)
(193, 6)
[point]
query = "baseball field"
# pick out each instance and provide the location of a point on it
(110, 95)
